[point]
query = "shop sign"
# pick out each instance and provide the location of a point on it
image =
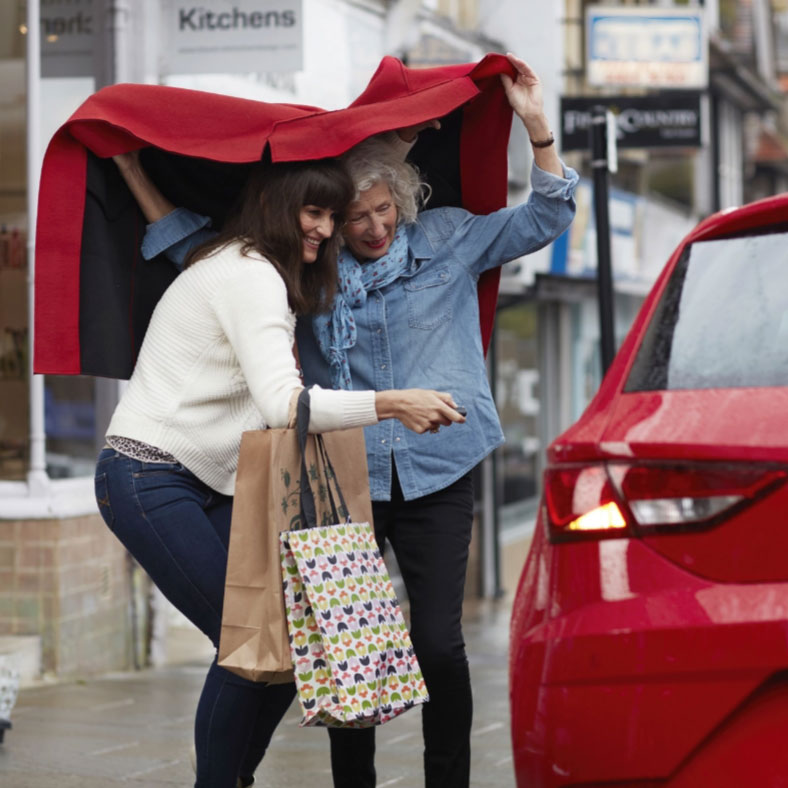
(646, 47)
(231, 36)
(654, 121)
(68, 38)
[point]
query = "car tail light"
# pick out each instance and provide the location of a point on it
(581, 499)
(620, 498)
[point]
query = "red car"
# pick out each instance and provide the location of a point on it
(649, 635)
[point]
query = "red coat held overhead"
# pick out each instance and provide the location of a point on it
(94, 294)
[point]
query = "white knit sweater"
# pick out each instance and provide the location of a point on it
(217, 360)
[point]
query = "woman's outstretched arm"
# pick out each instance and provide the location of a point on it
(153, 204)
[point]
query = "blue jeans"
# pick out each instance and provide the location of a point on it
(178, 529)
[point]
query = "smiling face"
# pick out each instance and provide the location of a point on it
(317, 224)
(371, 223)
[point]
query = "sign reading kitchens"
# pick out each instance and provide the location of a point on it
(226, 36)
(655, 121)
(646, 47)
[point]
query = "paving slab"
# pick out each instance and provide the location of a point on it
(135, 729)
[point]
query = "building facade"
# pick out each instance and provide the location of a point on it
(63, 577)
(546, 354)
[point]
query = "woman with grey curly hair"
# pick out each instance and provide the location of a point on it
(406, 314)
(382, 160)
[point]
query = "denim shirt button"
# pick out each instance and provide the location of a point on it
(383, 440)
(397, 440)
(382, 366)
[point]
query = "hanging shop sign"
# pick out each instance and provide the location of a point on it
(210, 36)
(654, 121)
(68, 38)
(646, 47)
(231, 36)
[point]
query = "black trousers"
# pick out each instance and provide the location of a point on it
(430, 537)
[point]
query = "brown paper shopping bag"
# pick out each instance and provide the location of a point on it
(254, 640)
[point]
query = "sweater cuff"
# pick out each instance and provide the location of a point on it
(339, 410)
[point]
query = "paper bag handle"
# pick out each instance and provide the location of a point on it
(308, 510)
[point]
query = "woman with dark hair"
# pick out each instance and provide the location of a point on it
(217, 359)
(406, 312)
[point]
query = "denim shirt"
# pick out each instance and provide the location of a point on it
(422, 330)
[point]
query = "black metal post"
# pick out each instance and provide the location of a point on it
(599, 166)
(714, 151)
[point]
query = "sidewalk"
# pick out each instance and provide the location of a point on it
(134, 729)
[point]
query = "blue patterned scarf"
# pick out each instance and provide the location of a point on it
(335, 330)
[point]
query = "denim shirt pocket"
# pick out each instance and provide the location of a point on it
(427, 296)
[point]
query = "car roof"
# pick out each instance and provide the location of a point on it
(770, 210)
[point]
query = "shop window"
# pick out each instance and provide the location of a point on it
(70, 411)
(517, 394)
(14, 390)
(70, 426)
(586, 359)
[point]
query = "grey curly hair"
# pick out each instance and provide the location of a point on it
(373, 161)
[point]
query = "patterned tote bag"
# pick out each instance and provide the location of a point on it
(354, 661)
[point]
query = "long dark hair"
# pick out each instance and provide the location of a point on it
(267, 219)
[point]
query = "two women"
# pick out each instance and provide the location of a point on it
(217, 359)
(406, 314)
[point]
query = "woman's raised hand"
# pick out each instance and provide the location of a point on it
(420, 410)
(409, 133)
(524, 91)
(127, 161)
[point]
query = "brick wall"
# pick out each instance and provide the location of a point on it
(67, 581)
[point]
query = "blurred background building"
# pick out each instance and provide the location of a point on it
(71, 600)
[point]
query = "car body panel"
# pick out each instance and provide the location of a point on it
(592, 704)
(660, 658)
(710, 424)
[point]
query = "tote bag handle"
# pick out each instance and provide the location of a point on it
(308, 510)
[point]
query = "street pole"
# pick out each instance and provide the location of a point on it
(600, 165)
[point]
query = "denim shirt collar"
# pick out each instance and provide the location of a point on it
(419, 246)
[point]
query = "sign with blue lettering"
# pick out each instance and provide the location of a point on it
(646, 47)
(231, 36)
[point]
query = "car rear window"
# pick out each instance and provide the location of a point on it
(722, 320)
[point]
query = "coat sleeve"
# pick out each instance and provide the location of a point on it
(175, 235)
